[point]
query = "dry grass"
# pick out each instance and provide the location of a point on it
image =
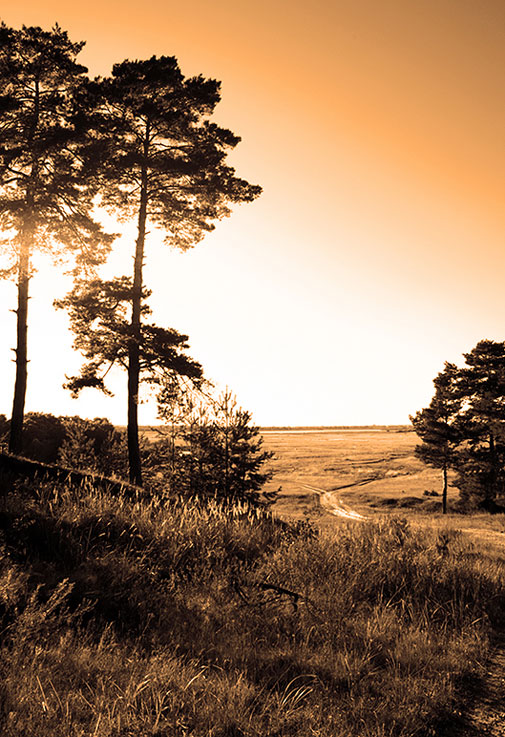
(369, 468)
(134, 619)
(381, 476)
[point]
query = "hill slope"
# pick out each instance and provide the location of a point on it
(137, 618)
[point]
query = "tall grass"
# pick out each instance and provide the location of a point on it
(123, 618)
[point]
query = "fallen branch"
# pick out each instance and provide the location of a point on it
(29, 468)
(279, 591)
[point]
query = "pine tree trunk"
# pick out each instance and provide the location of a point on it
(18, 405)
(491, 489)
(134, 461)
(26, 235)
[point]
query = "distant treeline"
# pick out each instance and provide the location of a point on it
(315, 428)
(288, 428)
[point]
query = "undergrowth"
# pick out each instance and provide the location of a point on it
(123, 618)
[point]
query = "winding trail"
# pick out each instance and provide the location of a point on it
(332, 504)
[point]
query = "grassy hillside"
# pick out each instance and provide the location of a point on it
(134, 618)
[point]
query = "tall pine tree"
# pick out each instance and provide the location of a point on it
(481, 468)
(45, 194)
(163, 165)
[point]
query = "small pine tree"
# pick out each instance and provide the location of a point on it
(219, 454)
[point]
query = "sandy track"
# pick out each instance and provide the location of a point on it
(332, 504)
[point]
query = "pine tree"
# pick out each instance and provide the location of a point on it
(45, 193)
(481, 468)
(437, 426)
(464, 426)
(163, 165)
(220, 453)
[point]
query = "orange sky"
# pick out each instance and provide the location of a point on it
(376, 251)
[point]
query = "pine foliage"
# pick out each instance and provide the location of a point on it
(463, 429)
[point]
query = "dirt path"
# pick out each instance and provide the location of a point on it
(332, 504)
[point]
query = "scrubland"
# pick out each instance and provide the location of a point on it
(142, 617)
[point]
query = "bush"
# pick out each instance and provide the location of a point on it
(94, 445)
(91, 445)
(43, 436)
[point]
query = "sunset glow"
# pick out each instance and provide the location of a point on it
(375, 252)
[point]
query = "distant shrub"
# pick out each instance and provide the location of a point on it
(92, 445)
(43, 436)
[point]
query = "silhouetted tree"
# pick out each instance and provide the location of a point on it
(45, 196)
(464, 427)
(99, 314)
(481, 463)
(164, 166)
(437, 425)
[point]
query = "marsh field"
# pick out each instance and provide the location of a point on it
(372, 472)
(365, 468)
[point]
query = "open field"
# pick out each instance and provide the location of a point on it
(369, 463)
(366, 467)
(371, 472)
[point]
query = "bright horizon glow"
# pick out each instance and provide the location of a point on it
(375, 252)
